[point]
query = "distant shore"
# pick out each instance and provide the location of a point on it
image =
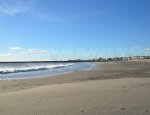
(112, 88)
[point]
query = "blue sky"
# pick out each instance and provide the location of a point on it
(71, 29)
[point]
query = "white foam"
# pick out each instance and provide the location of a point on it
(24, 67)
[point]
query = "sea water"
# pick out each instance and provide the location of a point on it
(22, 70)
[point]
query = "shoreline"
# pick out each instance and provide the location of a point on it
(103, 70)
(45, 70)
(113, 88)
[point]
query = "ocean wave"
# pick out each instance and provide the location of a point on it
(14, 68)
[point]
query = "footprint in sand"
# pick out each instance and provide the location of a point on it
(1, 110)
(123, 108)
(146, 111)
(82, 111)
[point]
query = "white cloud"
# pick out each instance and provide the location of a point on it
(55, 18)
(13, 10)
(23, 53)
(37, 51)
(15, 48)
(30, 7)
(147, 49)
(3, 55)
(21, 50)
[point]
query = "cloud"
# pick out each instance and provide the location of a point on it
(147, 49)
(16, 48)
(3, 55)
(24, 51)
(55, 18)
(12, 10)
(37, 51)
(31, 8)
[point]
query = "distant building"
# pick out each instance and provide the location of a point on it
(101, 59)
(109, 59)
(130, 58)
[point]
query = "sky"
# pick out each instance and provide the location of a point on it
(32, 30)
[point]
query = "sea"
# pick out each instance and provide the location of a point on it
(23, 70)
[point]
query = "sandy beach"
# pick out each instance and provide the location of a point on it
(112, 88)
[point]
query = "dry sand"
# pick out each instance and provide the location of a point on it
(112, 88)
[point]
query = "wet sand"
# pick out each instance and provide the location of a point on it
(112, 88)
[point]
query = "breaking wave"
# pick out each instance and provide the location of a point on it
(6, 68)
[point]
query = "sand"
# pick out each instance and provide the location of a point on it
(112, 88)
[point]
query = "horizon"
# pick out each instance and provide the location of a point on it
(33, 30)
